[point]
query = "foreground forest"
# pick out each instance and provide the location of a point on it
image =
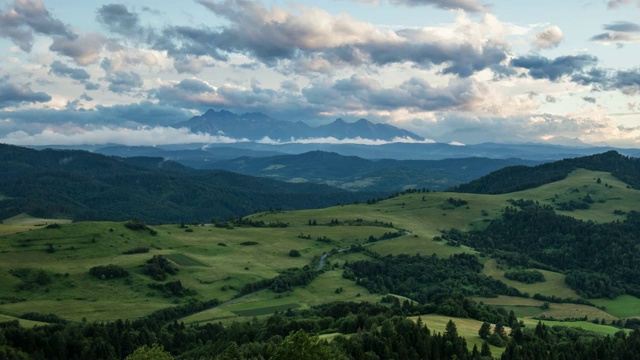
(546, 272)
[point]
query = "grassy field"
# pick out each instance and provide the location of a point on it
(524, 307)
(553, 285)
(215, 264)
(584, 325)
(467, 328)
(623, 306)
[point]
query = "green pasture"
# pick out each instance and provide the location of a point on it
(214, 262)
(467, 328)
(584, 325)
(525, 307)
(23, 322)
(553, 285)
(624, 306)
(28, 220)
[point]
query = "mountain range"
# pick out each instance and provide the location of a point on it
(257, 126)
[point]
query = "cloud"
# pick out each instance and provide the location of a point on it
(312, 39)
(14, 95)
(144, 136)
(467, 5)
(362, 93)
(549, 38)
(544, 68)
(334, 141)
(118, 19)
(60, 69)
(121, 82)
(83, 49)
(91, 86)
(628, 81)
(551, 99)
(589, 99)
(24, 17)
(133, 115)
(619, 32)
(612, 4)
(623, 26)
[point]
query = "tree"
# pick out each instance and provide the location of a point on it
(301, 346)
(486, 351)
(294, 253)
(155, 352)
(485, 330)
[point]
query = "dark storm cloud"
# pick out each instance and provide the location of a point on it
(118, 19)
(467, 5)
(543, 68)
(13, 95)
(60, 69)
(121, 82)
(22, 18)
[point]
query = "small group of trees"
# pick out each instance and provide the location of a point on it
(159, 267)
(108, 272)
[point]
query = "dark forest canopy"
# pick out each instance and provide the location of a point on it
(85, 186)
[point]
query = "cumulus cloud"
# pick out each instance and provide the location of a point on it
(83, 49)
(14, 95)
(316, 40)
(627, 81)
(549, 38)
(118, 19)
(121, 82)
(543, 68)
(24, 17)
(60, 69)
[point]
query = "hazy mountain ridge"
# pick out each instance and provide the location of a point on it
(355, 173)
(256, 126)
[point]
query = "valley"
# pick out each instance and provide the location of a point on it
(45, 263)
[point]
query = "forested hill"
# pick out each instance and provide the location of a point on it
(84, 186)
(517, 178)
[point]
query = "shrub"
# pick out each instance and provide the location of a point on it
(138, 250)
(108, 272)
(294, 253)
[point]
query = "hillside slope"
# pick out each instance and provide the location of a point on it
(518, 178)
(85, 186)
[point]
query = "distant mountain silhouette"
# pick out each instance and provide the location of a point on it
(256, 126)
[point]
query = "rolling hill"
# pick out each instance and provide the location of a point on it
(84, 186)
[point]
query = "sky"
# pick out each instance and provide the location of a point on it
(456, 71)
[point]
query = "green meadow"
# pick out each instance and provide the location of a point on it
(45, 268)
